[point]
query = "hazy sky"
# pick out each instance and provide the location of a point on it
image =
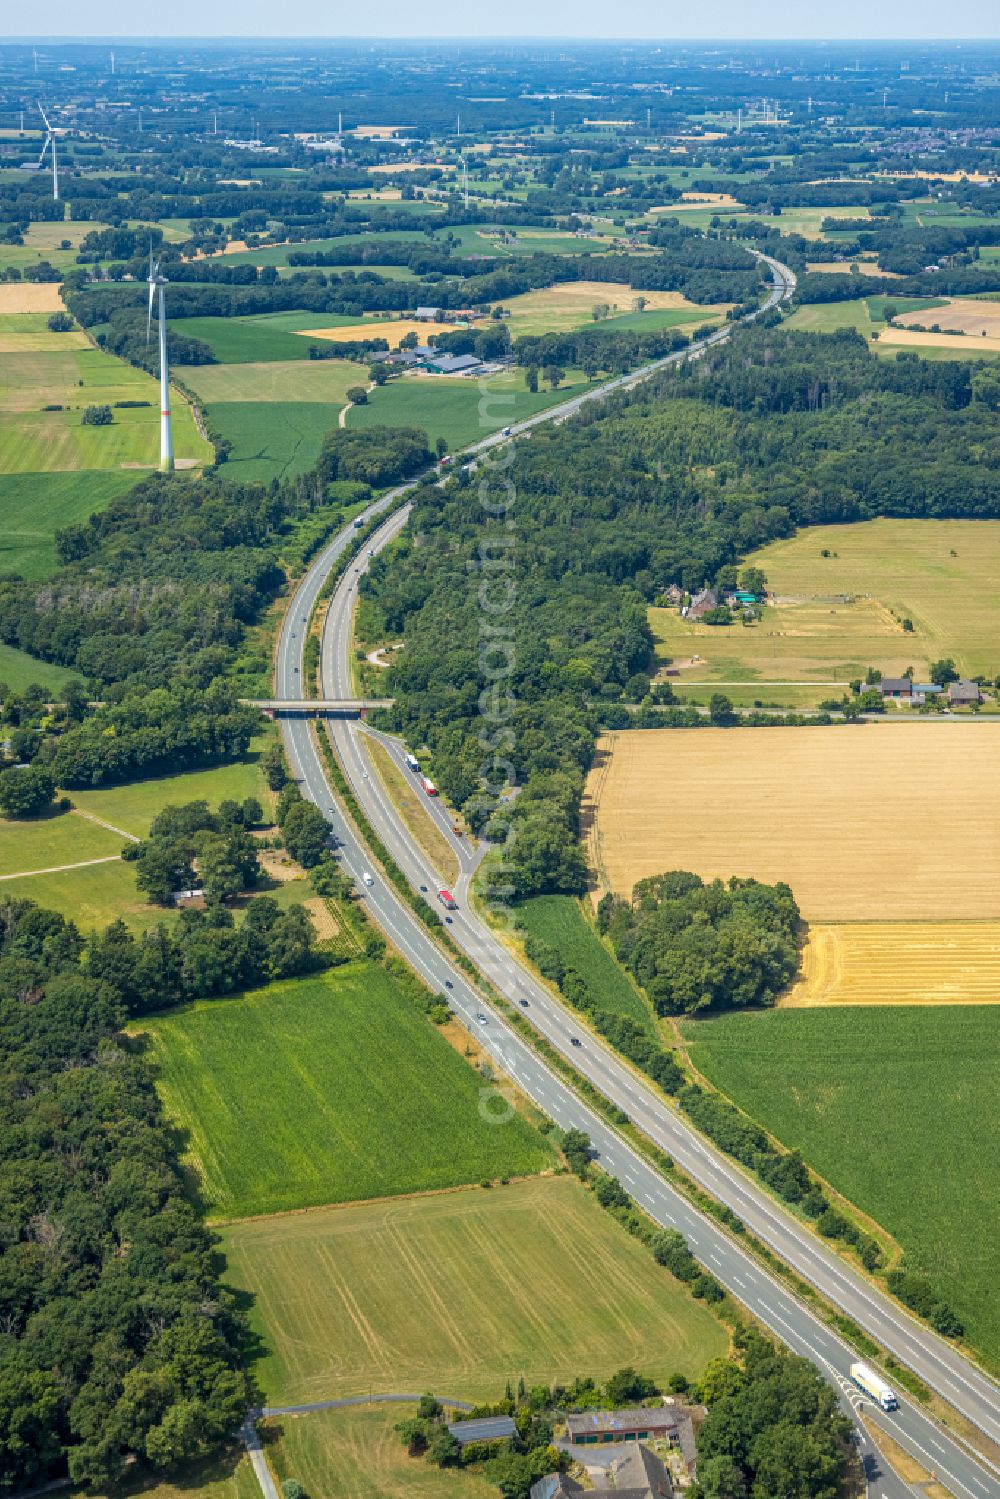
(861, 19)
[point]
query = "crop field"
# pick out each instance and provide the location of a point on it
(458, 1292)
(273, 440)
(894, 821)
(559, 920)
(899, 963)
(896, 1108)
(454, 407)
(362, 1099)
(937, 573)
(29, 333)
(834, 616)
(393, 330)
(277, 380)
(256, 338)
(33, 507)
(277, 255)
(21, 297)
(568, 305)
(952, 345)
(357, 1454)
(33, 440)
(44, 241)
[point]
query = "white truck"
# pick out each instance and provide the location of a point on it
(874, 1386)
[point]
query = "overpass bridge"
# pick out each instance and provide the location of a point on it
(317, 707)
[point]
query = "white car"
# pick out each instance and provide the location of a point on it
(367, 878)
(483, 1019)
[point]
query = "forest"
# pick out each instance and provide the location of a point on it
(116, 1338)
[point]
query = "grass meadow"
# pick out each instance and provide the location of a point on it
(459, 1291)
(93, 897)
(896, 1107)
(938, 573)
(46, 842)
(356, 1453)
(560, 921)
(133, 806)
(834, 616)
(19, 670)
(357, 1097)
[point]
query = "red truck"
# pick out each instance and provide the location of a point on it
(429, 787)
(447, 900)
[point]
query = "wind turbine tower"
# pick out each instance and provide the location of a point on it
(50, 140)
(112, 64)
(465, 180)
(156, 285)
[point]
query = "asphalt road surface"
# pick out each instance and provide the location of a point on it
(959, 1382)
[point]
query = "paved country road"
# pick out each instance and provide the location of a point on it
(966, 1474)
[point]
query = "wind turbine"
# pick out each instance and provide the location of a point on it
(156, 285)
(50, 140)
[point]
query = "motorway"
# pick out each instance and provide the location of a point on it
(953, 1377)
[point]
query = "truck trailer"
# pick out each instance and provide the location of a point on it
(429, 787)
(412, 763)
(874, 1386)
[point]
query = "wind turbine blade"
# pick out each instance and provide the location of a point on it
(45, 147)
(44, 117)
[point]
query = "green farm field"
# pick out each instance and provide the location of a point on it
(836, 615)
(449, 407)
(282, 380)
(36, 441)
(459, 1291)
(560, 921)
(896, 1108)
(272, 440)
(277, 255)
(356, 1453)
(256, 337)
(33, 507)
(363, 1098)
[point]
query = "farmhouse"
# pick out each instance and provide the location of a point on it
(635, 1474)
(896, 687)
(961, 694)
(700, 604)
(427, 314)
(487, 1429)
(665, 1422)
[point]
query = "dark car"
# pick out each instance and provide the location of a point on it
(448, 984)
(573, 1041)
(524, 1004)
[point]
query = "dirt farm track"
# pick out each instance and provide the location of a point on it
(876, 822)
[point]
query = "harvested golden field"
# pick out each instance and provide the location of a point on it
(569, 304)
(843, 268)
(30, 296)
(899, 963)
(391, 329)
(879, 821)
(961, 314)
(966, 344)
